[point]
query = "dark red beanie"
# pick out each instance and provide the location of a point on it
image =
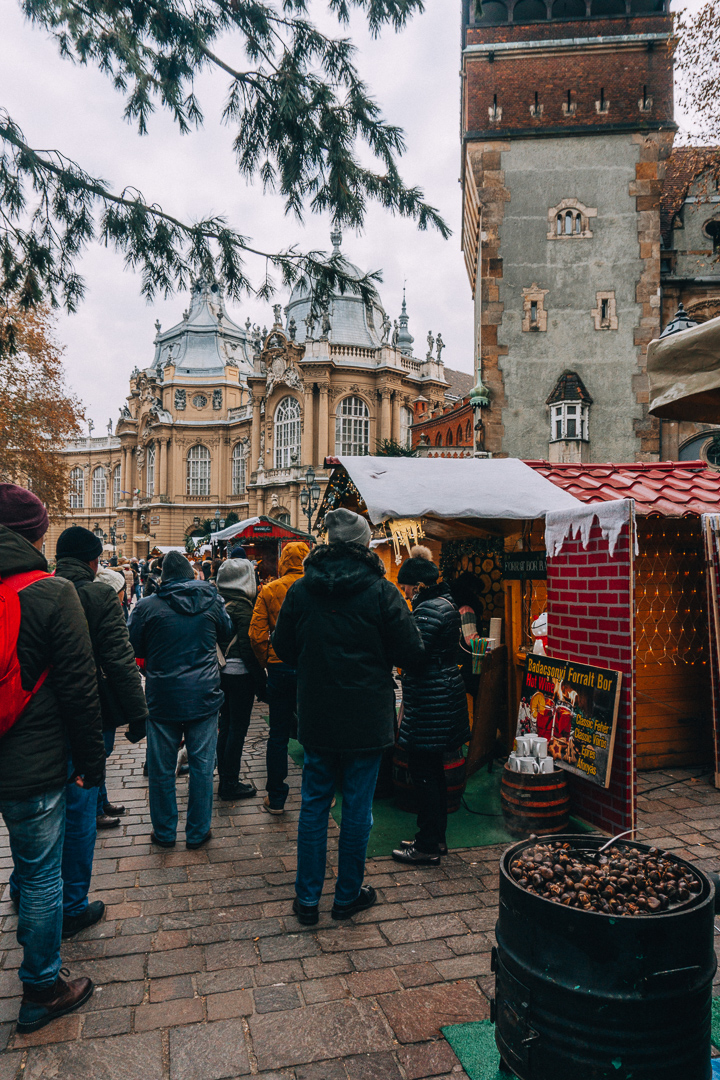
(22, 512)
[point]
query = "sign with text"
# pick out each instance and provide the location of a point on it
(575, 708)
(524, 566)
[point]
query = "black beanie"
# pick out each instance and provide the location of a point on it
(176, 567)
(78, 543)
(419, 569)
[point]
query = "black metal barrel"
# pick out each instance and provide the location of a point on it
(580, 995)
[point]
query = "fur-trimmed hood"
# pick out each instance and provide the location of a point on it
(342, 569)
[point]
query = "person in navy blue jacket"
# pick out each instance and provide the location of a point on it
(176, 632)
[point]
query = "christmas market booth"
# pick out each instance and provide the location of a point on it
(617, 600)
(263, 539)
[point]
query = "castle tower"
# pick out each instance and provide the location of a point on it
(567, 121)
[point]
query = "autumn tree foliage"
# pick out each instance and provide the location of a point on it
(697, 62)
(37, 413)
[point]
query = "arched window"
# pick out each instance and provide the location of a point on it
(406, 421)
(438, 439)
(198, 470)
(459, 436)
(569, 9)
(150, 471)
(116, 486)
(352, 428)
(493, 11)
(287, 433)
(77, 489)
(238, 470)
(529, 11)
(449, 438)
(99, 487)
(468, 433)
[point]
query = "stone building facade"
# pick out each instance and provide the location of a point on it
(568, 129)
(228, 418)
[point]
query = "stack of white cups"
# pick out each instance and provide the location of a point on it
(531, 755)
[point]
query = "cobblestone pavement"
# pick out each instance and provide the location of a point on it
(202, 973)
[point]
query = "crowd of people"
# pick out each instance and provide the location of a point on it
(177, 654)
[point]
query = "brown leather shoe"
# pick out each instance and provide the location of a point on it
(40, 1007)
(104, 821)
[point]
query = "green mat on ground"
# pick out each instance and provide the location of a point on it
(465, 828)
(716, 1022)
(474, 1045)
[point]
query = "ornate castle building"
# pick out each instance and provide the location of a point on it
(228, 418)
(582, 227)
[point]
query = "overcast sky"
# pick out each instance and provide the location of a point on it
(414, 76)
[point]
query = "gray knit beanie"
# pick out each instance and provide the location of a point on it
(343, 526)
(176, 567)
(235, 579)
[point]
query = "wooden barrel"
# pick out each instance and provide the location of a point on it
(534, 802)
(405, 794)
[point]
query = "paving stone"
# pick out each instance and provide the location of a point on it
(335, 1029)
(413, 952)
(416, 1015)
(110, 1022)
(330, 989)
(276, 999)
(423, 929)
(224, 1006)
(284, 971)
(230, 954)
(9, 1065)
(427, 1059)
(116, 969)
(321, 1070)
(288, 947)
(175, 986)
(167, 1014)
(317, 966)
(345, 938)
(115, 995)
(124, 1057)
(65, 1029)
(382, 1066)
(218, 982)
(208, 1051)
(175, 962)
(370, 983)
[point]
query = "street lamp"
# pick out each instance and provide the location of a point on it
(310, 496)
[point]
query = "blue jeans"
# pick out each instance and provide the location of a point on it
(102, 799)
(36, 827)
(282, 704)
(79, 846)
(359, 777)
(163, 743)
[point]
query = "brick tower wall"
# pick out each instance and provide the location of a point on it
(608, 152)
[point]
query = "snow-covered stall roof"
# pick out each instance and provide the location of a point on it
(498, 488)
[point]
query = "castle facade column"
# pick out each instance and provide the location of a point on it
(395, 417)
(385, 415)
(308, 435)
(324, 448)
(255, 434)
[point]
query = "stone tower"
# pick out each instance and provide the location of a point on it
(567, 121)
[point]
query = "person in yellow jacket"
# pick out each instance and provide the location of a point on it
(281, 679)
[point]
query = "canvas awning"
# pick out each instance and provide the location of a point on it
(684, 374)
(466, 488)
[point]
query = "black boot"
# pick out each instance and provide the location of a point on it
(230, 790)
(73, 924)
(413, 857)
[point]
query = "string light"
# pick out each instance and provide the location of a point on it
(671, 622)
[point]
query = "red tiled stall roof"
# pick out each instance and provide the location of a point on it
(667, 488)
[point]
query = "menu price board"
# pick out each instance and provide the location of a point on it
(575, 707)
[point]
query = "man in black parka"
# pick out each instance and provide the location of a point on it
(343, 626)
(64, 713)
(122, 701)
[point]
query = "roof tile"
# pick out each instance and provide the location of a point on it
(670, 488)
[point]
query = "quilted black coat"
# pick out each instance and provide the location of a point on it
(435, 715)
(344, 626)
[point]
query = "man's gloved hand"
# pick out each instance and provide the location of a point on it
(136, 731)
(91, 779)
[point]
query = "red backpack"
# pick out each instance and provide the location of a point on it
(13, 698)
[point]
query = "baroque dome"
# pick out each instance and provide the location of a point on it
(352, 322)
(207, 339)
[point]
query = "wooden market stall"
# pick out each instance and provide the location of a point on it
(624, 588)
(263, 539)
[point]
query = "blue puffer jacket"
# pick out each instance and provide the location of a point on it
(175, 631)
(435, 715)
